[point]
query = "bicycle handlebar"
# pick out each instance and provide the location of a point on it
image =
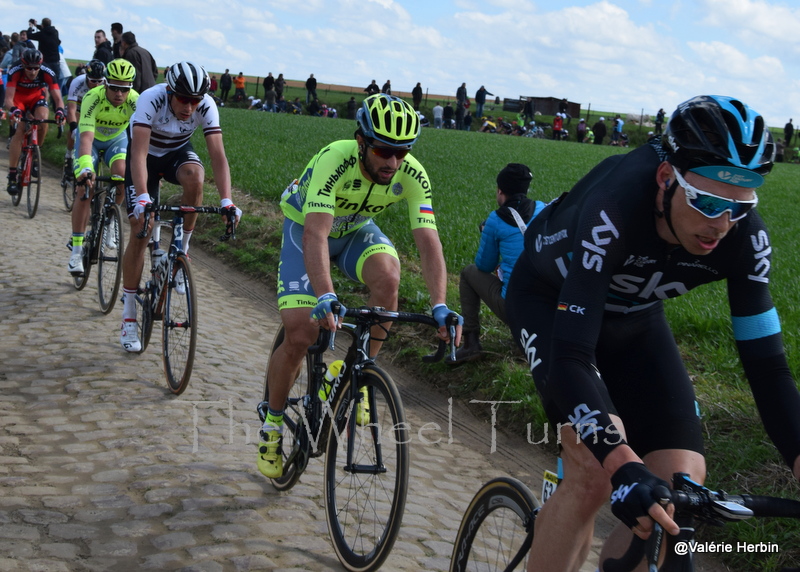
(228, 212)
(709, 506)
(34, 121)
(379, 315)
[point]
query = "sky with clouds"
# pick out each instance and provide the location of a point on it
(615, 55)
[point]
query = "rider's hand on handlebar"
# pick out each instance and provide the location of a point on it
(16, 113)
(636, 496)
(323, 313)
(441, 313)
(141, 204)
(85, 176)
(228, 204)
(61, 116)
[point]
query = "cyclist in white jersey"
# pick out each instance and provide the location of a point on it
(160, 131)
(94, 76)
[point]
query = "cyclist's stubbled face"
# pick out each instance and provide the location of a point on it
(182, 111)
(377, 169)
(116, 97)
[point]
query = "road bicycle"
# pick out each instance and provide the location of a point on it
(169, 293)
(361, 428)
(103, 241)
(29, 166)
(497, 529)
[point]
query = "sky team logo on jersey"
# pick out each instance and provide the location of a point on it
(425, 209)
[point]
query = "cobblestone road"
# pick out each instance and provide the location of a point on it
(102, 468)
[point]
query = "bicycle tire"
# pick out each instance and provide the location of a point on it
(15, 199)
(494, 527)
(293, 422)
(179, 326)
(68, 187)
(364, 509)
(34, 182)
(109, 258)
(80, 280)
(145, 321)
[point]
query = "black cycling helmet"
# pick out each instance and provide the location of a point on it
(711, 131)
(188, 78)
(32, 57)
(95, 70)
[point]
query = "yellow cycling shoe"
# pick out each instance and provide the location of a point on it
(270, 453)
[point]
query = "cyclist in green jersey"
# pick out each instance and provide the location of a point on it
(329, 213)
(106, 111)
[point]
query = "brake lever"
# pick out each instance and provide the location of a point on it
(142, 233)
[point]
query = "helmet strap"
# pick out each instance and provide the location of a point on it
(666, 208)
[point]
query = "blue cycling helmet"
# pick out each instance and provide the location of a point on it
(388, 119)
(712, 131)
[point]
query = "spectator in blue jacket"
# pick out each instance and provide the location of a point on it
(500, 246)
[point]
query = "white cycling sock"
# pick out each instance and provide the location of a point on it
(187, 234)
(128, 304)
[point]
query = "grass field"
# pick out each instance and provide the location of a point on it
(266, 151)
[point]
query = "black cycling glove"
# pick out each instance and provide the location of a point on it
(635, 490)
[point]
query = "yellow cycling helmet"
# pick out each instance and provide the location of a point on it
(120, 70)
(388, 119)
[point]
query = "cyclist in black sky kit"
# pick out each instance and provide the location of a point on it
(585, 302)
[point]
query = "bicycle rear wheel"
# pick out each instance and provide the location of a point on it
(15, 199)
(68, 187)
(179, 326)
(35, 181)
(294, 459)
(494, 528)
(109, 259)
(365, 494)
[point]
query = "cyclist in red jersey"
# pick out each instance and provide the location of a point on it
(27, 91)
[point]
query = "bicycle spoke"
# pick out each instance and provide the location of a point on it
(179, 327)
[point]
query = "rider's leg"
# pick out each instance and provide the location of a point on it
(41, 112)
(381, 274)
(565, 525)
(286, 361)
(190, 176)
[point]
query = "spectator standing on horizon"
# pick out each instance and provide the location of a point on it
(416, 96)
(239, 83)
(616, 135)
(480, 100)
(48, 39)
(268, 83)
(438, 115)
(212, 88)
(372, 88)
(270, 99)
(659, 121)
(387, 87)
(225, 84)
(280, 84)
(352, 107)
(311, 88)
(102, 47)
(449, 112)
(116, 34)
(460, 112)
(581, 130)
(527, 111)
(461, 93)
(599, 130)
(788, 133)
(146, 68)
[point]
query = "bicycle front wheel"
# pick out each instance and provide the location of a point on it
(109, 259)
(495, 528)
(68, 187)
(35, 181)
(366, 471)
(293, 424)
(179, 326)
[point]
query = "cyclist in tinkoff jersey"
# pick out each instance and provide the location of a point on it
(586, 303)
(160, 147)
(106, 111)
(29, 85)
(93, 76)
(329, 214)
